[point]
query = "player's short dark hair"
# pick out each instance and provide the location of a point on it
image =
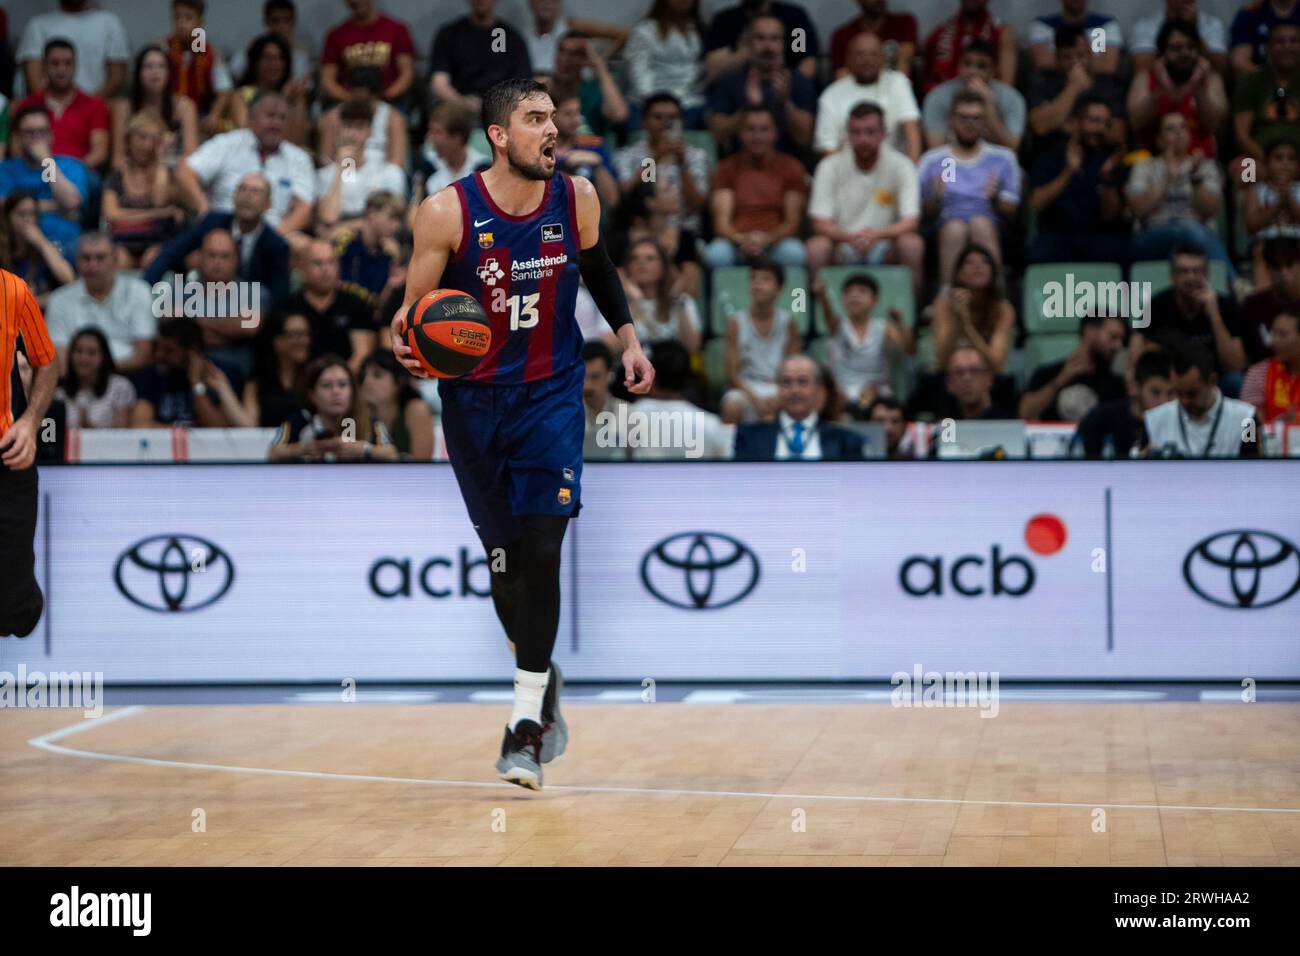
(1170, 27)
(1153, 363)
(1281, 252)
(672, 365)
(502, 98)
(183, 330)
(596, 349)
(58, 43)
(1193, 355)
(1186, 247)
(983, 47)
(771, 267)
(654, 99)
(864, 279)
(1067, 35)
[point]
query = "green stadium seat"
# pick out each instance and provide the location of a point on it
(1045, 348)
(1156, 271)
(478, 140)
(715, 364)
(1037, 279)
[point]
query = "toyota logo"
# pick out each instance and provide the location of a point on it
(1243, 569)
(699, 570)
(173, 572)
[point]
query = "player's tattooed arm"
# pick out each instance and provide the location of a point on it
(436, 235)
(606, 289)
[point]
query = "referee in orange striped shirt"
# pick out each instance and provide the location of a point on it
(21, 601)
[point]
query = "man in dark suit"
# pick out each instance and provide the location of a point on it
(798, 432)
(263, 252)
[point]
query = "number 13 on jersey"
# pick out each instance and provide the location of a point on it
(523, 308)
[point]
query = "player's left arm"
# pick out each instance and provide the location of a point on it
(606, 288)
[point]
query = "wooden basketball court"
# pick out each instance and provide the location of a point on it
(656, 784)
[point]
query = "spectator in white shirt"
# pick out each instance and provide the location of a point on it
(445, 155)
(98, 35)
(1214, 37)
(865, 205)
(663, 55)
(758, 339)
(602, 425)
(120, 306)
(1201, 422)
(344, 185)
(869, 79)
(548, 23)
(209, 176)
(659, 314)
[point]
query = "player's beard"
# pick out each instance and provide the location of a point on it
(533, 170)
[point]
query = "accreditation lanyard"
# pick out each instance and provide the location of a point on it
(1214, 428)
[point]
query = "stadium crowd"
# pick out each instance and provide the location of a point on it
(818, 225)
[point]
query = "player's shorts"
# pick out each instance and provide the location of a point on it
(516, 449)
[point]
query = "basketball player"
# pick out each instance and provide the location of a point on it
(516, 237)
(21, 601)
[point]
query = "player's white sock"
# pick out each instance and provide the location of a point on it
(530, 688)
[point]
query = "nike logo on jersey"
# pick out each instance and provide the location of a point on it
(477, 224)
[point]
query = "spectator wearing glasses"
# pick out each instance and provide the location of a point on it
(1201, 422)
(968, 389)
(968, 187)
(60, 196)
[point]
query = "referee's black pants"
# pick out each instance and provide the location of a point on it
(21, 601)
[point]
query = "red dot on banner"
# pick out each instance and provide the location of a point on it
(1045, 534)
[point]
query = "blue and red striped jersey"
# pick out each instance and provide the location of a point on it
(524, 272)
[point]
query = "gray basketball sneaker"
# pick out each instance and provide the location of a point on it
(555, 732)
(520, 760)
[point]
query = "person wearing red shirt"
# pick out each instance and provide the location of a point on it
(78, 121)
(368, 39)
(897, 32)
(1273, 385)
(1181, 80)
(944, 46)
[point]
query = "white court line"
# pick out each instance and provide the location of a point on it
(45, 742)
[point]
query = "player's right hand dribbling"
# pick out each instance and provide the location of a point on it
(401, 350)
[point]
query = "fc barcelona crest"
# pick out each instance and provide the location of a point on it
(485, 240)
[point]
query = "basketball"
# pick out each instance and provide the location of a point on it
(449, 332)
